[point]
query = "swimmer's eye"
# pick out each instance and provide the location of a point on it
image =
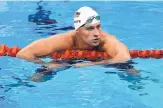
(98, 27)
(89, 28)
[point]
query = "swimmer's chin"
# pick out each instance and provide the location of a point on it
(94, 44)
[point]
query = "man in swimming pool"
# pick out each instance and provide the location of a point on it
(88, 35)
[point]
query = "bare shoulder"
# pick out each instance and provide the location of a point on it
(46, 46)
(109, 38)
(62, 36)
(111, 44)
(63, 40)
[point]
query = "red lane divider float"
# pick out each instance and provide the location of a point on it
(84, 54)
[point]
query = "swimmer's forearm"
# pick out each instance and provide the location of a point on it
(91, 63)
(35, 60)
(103, 62)
(30, 58)
(38, 61)
(110, 61)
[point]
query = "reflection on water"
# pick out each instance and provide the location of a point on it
(42, 74)
(128, 73)
(3, 6)
(44, 23)
(42, 16)
(20, 83)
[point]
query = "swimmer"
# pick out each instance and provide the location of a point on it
(87, 35)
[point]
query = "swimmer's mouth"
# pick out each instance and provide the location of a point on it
(96, 40)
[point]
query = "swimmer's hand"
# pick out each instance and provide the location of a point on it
(47, 70)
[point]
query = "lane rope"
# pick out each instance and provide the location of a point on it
(84, 54)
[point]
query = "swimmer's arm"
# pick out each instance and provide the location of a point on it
(43, 47)
(117, 50)
(33, 51)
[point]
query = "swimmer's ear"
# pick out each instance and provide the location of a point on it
(77, 31)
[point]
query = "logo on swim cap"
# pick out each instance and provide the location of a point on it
(83, 14)
(77, 14)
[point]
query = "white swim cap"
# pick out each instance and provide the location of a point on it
(83, 14)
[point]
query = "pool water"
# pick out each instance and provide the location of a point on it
(137, 24)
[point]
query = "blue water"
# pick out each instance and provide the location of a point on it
(137, 24)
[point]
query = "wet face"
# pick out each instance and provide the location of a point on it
(90, 34)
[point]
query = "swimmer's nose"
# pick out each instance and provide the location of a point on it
(96, 33)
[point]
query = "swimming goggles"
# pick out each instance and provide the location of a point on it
(90, 19)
